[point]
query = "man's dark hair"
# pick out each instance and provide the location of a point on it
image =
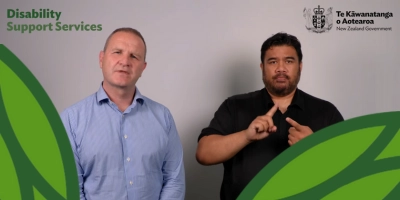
(280, 39)
(127, 30)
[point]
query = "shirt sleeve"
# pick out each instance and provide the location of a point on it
(336, 117)
(222, 122)
(174, 186)
(66, 120)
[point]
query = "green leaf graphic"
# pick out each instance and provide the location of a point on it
(9, 179)
(366, 188)
(392, 149)
(37, 195)
(327, 155)
(34, 136)
(27, 126)
(336, 162)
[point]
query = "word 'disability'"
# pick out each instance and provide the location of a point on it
(45, 14)
(41, 13)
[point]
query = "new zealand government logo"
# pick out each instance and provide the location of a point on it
(319, 20)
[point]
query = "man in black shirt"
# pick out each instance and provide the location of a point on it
(249, 130)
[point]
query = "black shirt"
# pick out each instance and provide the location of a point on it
(237, 112)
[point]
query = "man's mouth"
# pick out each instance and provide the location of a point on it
(281, 78)
(122, 71)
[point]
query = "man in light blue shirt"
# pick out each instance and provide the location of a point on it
(126, 146)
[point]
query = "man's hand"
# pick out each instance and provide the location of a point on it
(262, 126)
(297, 132)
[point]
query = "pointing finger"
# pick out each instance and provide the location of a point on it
(293, 123)
(272, 111)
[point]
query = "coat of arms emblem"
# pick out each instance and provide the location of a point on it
(319, 20)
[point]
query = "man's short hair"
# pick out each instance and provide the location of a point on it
(127, 30)
(280, 39)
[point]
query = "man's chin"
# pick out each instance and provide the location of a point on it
(279, 91)
(122, 85)
(280, 87)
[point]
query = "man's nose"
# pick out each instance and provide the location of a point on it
(124, 60)
(281, 67)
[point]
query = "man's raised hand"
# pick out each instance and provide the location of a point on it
(297, 132)
(262, 126)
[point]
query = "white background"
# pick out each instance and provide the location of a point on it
(201, 52)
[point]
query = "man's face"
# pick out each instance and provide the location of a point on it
(281, 70)
(123, 61)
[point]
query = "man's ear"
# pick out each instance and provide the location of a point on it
(101, 56)
(301, 65)
(144, 67)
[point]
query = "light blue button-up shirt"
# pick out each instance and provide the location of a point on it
(131, 155)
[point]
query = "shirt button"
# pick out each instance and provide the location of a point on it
(130, 182)
(125, 136)
(128, 159)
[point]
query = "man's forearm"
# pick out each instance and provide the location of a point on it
(215, 149)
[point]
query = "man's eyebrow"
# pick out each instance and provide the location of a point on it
(115, 49)
(286, 58)
(136, 54)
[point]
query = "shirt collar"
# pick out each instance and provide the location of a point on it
(101, 95)
(298, 99)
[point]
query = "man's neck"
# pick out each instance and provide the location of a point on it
(122, 97)
(283, 101)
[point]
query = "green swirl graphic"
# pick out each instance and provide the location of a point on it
(355, 159)
(36, 157)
